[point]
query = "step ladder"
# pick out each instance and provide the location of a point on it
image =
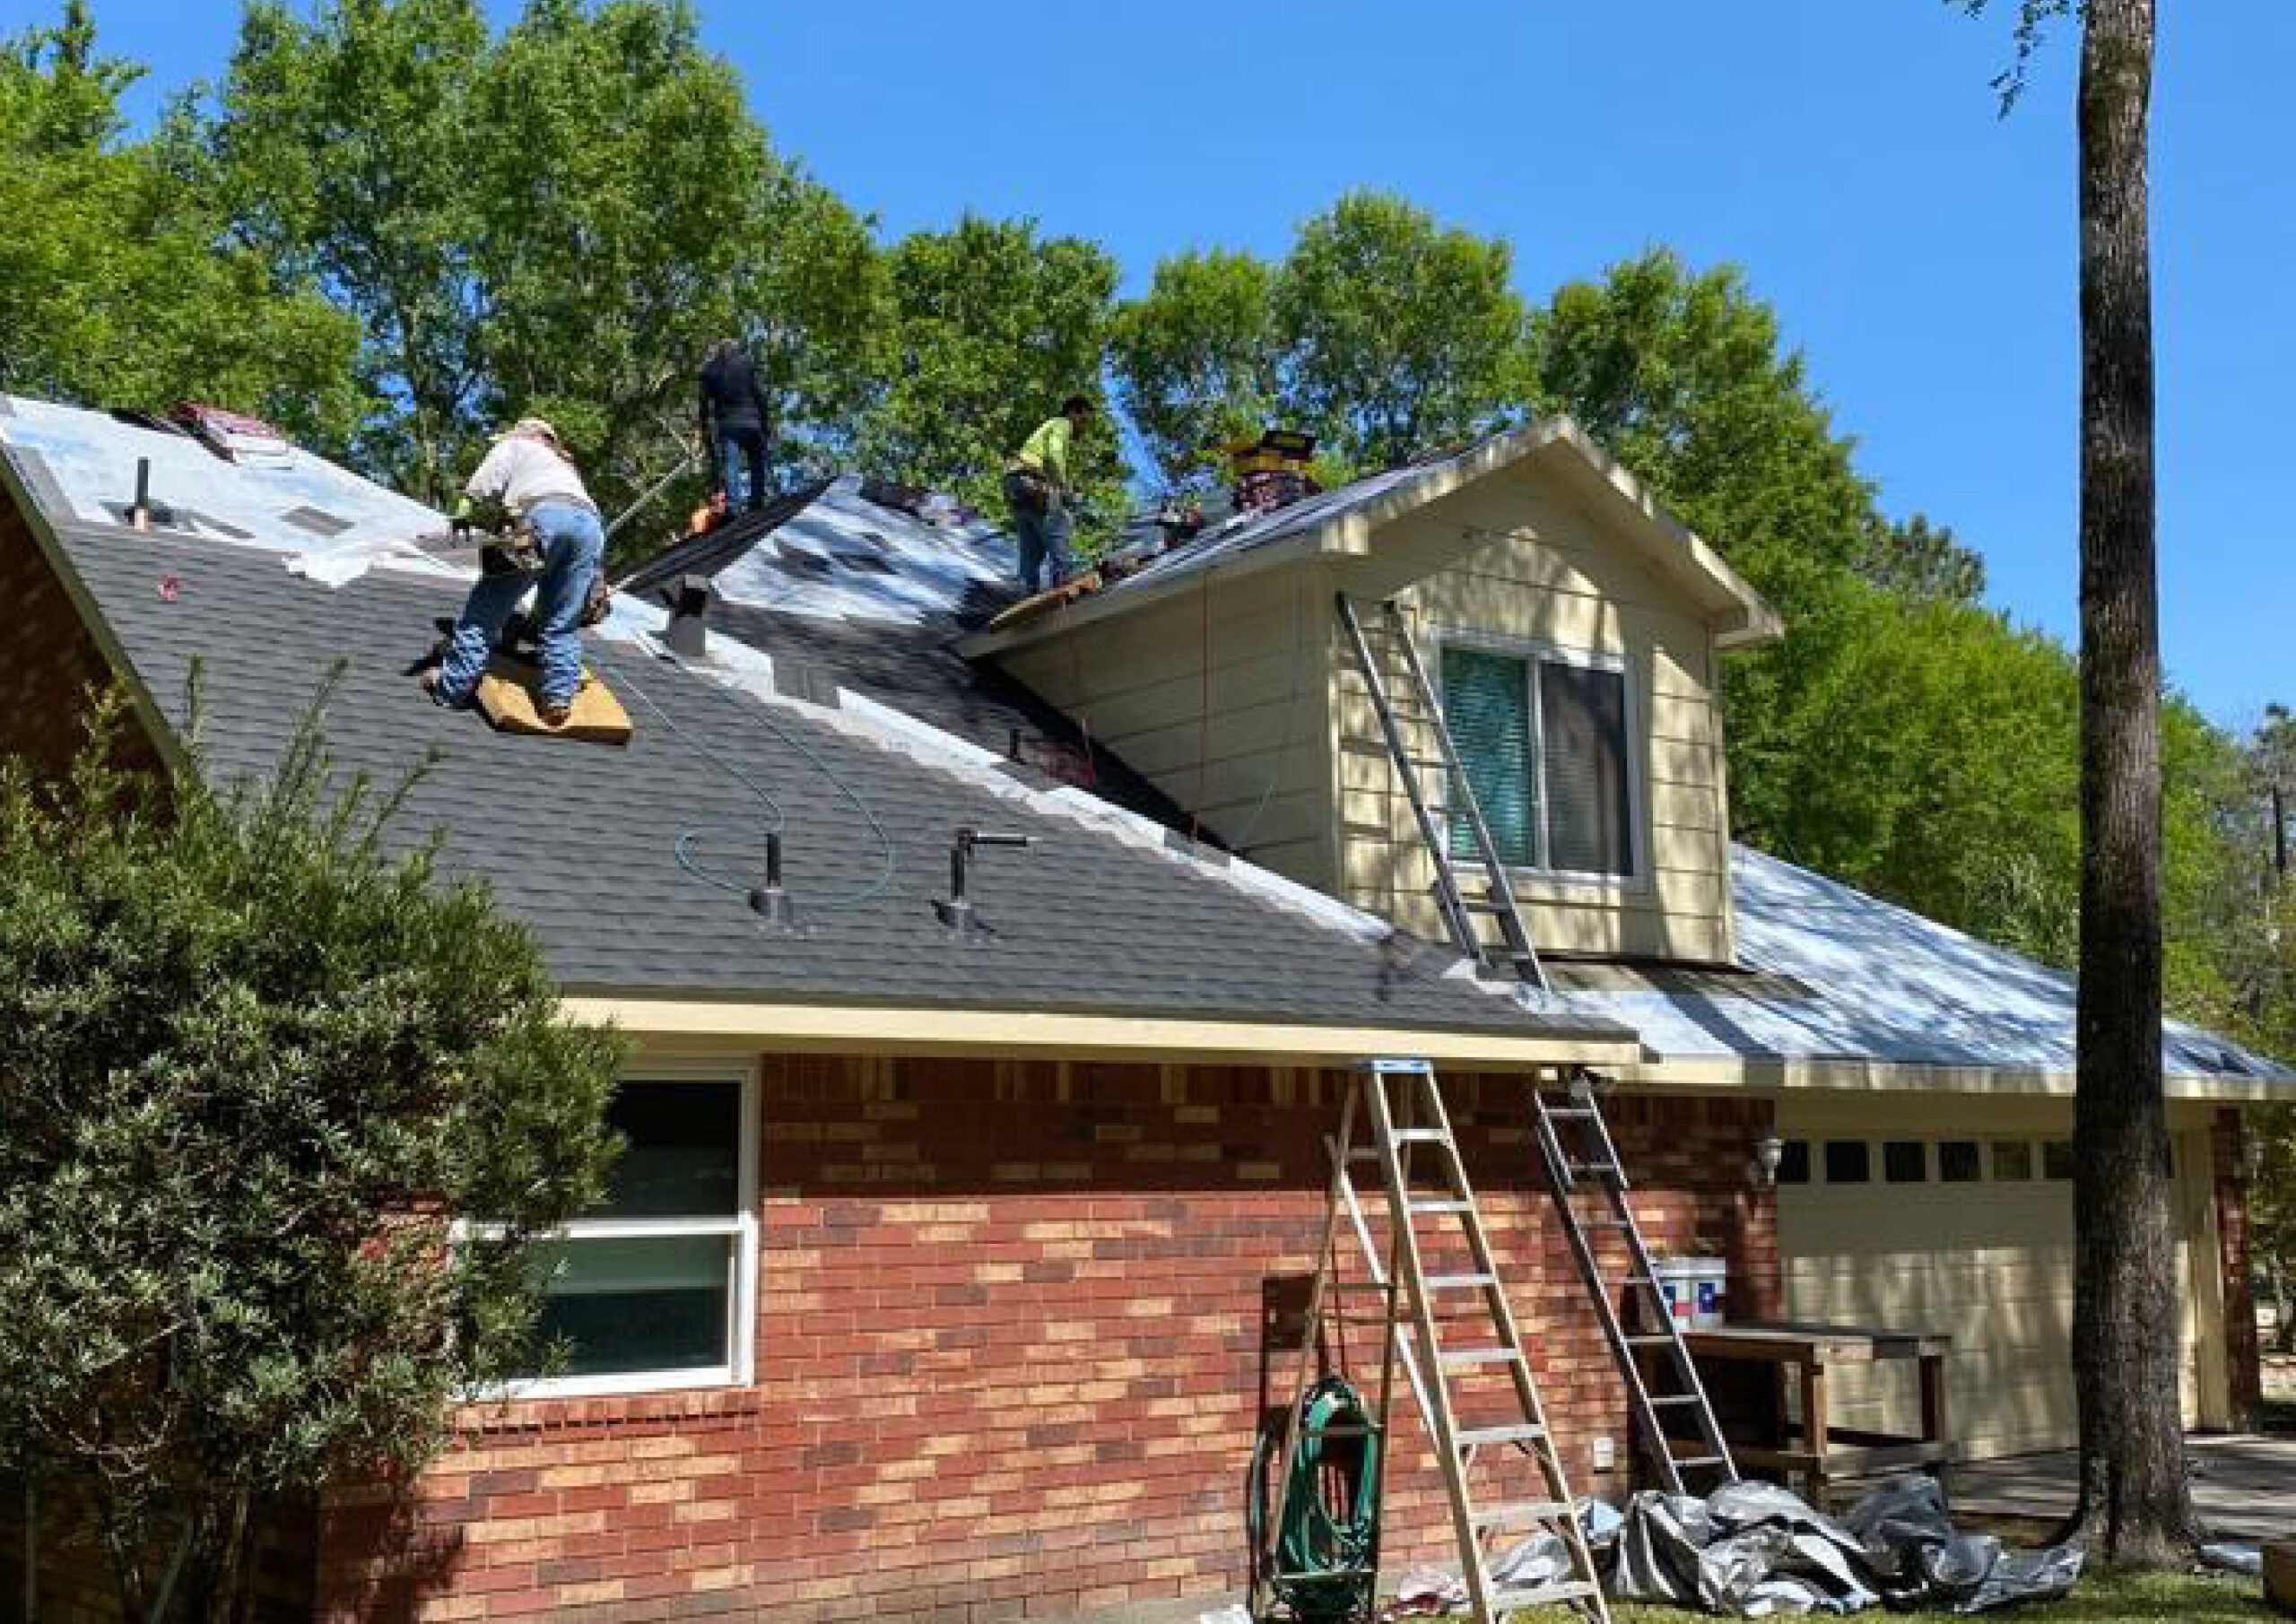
(1453, 1334)
(1672, 1416)
(1512, 952)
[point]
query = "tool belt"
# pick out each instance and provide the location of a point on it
(1029, 490)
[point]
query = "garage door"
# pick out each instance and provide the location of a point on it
(1943, 1230)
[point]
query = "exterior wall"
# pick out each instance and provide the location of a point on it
(1548, 578)
(2229, 1189)
(1011, 1357)
(1218, 696)
(47, 662)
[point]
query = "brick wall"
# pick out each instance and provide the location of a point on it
(2245, 1374)
(1010, 1355)
(49, 661)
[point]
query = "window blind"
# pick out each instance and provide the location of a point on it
(1487, 705)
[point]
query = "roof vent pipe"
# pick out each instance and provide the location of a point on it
(688, 602)
(139, 516)
(958, 912)
(770, 902)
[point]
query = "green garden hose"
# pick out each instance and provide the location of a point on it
(1327, 1528)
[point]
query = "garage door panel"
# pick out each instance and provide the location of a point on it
(1990, 1263)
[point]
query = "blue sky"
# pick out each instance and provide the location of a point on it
(1845, 153)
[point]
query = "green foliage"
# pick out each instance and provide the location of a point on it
(249, 1068)
(1385, 333)
(556, 220)
(345, 148)
(992, 327)
(1399, 334)
(117, 287)
(1684, 376)
(1197, 362)
(1918, 560)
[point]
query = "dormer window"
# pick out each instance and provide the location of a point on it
(1544, 736)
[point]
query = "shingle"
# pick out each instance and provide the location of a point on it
(581, 841)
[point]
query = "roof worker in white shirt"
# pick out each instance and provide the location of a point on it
(528, 482)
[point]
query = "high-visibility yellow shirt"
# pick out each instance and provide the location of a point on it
(1046, 450)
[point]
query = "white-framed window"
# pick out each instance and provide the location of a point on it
(1547, 738)
(655, 1287)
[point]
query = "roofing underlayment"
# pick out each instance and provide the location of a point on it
(874, 742)
(1840, 975)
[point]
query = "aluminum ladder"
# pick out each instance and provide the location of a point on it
(1394, 1119)
(1513, 952)
(1581, 1158)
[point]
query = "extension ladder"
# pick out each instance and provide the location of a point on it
(1513, 949)
(1394, 1119)
(1580, 1158)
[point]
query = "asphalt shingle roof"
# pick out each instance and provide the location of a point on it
(582, 841)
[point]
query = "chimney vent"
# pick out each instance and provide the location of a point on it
(688, 602)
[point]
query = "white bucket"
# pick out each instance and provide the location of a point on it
(1694, 1289)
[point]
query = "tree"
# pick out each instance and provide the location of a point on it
(623, 189)
(2135, 1506)
(249, 1068)
(557, 219)
(815, 298)
(1399, 334)
(345, 148)
(1197, 362)
(115, 287)
(1916, 561)
(992, 327)
(1686, 378)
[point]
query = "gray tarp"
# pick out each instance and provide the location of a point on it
(1754, 1550)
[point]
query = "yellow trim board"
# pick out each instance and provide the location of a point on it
(879, 1031)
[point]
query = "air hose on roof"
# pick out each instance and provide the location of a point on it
(1327, 1526)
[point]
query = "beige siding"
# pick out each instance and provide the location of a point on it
(1547, 577)
(1990, 1263)
(1220, 697)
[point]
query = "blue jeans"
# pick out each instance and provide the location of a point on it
(572, 542)
(1042, 534)
(741, 466)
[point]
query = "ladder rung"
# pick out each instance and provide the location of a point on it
(1521, 1432)
(1569, 1590)
(1473, 907)
(1436, 1136)
(1572, 1110)
(1579, 1169)
(1652, 1339)
(1606, 1224)
(1441, 1206)
(1483, 1356)
(1362, 1153)
(1521, 1512)
(1700, 1460)
(1459, 1283)
(1674, 1398)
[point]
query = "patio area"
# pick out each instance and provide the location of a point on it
(2243, 1485)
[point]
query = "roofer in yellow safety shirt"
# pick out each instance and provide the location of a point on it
(1037, 485)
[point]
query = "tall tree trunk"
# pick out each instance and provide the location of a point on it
(2135, 1507)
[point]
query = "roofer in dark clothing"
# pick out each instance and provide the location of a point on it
(732, 424)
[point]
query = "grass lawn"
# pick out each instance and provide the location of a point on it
(2111, 1598)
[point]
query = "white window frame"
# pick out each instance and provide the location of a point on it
(1532, 652)
(742, 1259)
